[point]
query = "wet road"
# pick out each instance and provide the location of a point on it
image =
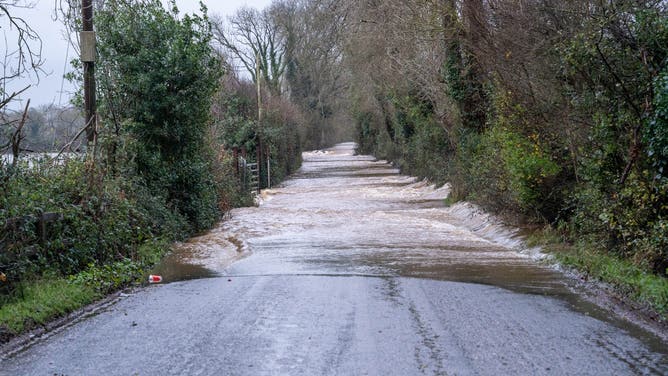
(351, 269)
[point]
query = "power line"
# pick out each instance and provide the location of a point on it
(62, 79)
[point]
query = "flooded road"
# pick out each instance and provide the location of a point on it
(349, 268)
(353, 215)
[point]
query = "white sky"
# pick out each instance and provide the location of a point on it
(55, 50)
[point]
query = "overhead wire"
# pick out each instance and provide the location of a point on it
(62, 79)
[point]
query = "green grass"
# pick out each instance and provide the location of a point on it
(48, 298)
(629, 279)
(44, 300)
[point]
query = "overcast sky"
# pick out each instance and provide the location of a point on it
(55, 50)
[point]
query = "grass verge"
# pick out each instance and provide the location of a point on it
(40, 301)
(629, 279)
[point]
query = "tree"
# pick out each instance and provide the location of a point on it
(252, 37)
(24, 57)
(313, 32)
(159, 73)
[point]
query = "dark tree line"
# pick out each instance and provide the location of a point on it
(554, 109)
(548, 111)
(48, 128)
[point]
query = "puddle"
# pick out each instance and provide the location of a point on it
(200, 257)
(173, 268)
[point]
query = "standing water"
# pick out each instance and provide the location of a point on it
(348, 214)
(343, 213)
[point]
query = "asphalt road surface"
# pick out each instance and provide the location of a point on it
(351, 269)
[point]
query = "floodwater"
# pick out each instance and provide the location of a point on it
(343, 213)
(353, 215)
(30, 159)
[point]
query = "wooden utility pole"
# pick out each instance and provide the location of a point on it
(88, 60)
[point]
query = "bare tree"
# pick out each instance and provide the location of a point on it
(23, 55)
(402, 46)
(252, 37)
(314, 42)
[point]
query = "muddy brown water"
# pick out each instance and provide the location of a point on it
(348, 214)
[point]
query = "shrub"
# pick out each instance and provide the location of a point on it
(167, 72)
(98, 224)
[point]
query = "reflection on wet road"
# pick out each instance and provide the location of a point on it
(349, 268)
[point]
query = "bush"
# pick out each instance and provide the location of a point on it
(235, 111)
(98, 224)
(167, 72)
(656, 132)
(109, 277)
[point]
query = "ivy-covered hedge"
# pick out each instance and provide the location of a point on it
(98, 221)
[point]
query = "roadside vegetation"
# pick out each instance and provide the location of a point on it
(549, 112)
(552, 113)
(646, 291)
(160, 168)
